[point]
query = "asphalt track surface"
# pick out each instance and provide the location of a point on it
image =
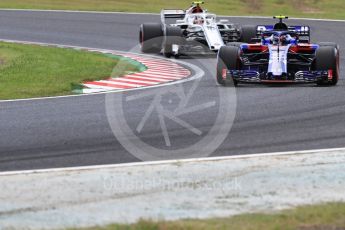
(75, 131)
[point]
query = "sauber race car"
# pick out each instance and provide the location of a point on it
(279, 53)
(193, 31)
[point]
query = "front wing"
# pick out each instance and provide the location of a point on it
(250, 76)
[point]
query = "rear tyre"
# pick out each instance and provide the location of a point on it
(227, 59)
(151, 38)
(248, 32)
(327, 58)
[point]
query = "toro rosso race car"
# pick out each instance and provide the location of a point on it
(279, 53)
(193, 31)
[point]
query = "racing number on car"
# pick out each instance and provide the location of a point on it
(304, 28)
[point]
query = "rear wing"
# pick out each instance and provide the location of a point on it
(302, 31)
(173, 13)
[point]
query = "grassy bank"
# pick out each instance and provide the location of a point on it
(300, 8)
(34, 71)
(326, 217)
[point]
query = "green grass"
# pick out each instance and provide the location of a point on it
(326, 217)
(34, 71)
(300, 8)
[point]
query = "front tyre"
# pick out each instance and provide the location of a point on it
(228, 59)
(327, 58)
(331, 44)
(173, 36)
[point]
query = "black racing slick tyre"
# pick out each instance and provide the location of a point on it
(248, 32)
(332, 44)
(327, 58)
(228, 58)
(236, 44)
(151, 38)
(172, 35)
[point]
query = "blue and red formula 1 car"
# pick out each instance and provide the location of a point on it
(279, 54)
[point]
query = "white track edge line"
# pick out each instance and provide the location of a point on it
(153, 163)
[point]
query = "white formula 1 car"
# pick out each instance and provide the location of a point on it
(195, 31)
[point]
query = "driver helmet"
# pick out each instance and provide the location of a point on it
(198, 20)
(197, 9)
